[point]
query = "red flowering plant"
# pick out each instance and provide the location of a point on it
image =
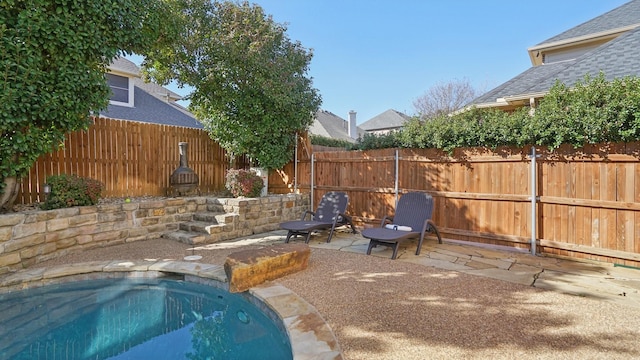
(243, 183)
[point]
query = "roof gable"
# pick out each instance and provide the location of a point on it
(616, 58)
(625, 15)
(390, 119)
(330, 125)
(152, 103)
(151, 109)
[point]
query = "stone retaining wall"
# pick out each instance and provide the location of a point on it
(31, 237)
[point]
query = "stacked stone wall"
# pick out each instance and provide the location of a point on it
(31, 237)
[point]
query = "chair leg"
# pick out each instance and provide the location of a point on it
(395, 250)
(419, 245)
(435, 230)
(372, 244)
(306, 241)
(288, 236)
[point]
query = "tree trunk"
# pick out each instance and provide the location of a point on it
(9, 194)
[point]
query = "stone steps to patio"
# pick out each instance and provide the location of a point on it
(204, 227)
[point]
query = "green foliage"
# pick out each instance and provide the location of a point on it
(326, 141)
(244, 183)
(72, 190)
(593, 111)
(53, 56)
(251, 90)
(378, 141)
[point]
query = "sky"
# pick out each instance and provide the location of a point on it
(374, 55)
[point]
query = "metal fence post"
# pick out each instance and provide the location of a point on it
(397, 175)
(313, 157)
(534, 182)
(295, 167)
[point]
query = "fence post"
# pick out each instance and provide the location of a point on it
(313, 158)
(534, 182)
(397, 174)
(295, 167)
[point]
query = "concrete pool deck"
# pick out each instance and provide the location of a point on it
(343, 287)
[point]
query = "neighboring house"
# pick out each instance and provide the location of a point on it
(330, 125)
(609, 43)
(388, 121)
(133, 99)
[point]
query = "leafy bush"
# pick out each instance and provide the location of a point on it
(592, 111)
(325, 141)
(72, 190)
(243, 183)
(378, 141)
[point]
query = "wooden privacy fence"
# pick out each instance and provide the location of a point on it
(587, 201)
(130, 158)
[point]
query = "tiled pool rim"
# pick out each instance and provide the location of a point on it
(310, 336)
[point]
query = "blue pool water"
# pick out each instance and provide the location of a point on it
(135, 319)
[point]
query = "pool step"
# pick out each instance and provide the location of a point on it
(204, 227)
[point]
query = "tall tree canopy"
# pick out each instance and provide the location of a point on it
(251, 89)
(53, 56)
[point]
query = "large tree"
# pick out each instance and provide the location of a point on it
(444, 98)
(53, 56)
(251, 89)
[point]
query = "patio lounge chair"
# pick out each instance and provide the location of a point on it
(329, 215)
(412, 220)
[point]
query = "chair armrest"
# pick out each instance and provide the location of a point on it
(342, 219)
(386, 219)
(304, 214)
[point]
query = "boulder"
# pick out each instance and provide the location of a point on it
(248, 268)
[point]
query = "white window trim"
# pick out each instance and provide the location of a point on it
(130, 102)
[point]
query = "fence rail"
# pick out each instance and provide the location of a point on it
(587, 201)
(130, 158)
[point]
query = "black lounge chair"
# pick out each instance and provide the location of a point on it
(329, 215)
(412, 220)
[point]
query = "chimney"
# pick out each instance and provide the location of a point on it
(353, 130)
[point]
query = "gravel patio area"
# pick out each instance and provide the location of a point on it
(384, 309)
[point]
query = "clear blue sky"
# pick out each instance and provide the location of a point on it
(375, 55)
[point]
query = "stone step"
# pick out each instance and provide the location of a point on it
(202, 227)
(186, 237)
(215, 208)
(210, 217)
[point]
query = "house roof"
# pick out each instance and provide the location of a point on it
(617, 58)
(330, 125)
(390, 119)
(152, 103)
(124, 66)
(625, 15)
(151, 109)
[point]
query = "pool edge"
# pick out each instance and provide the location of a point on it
(310, 336)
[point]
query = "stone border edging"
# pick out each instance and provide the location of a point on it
(310, 336)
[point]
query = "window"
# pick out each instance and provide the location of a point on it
(121, 90)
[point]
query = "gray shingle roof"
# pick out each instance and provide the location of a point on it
(390, 119)
(330, 125)
(624, 15)
(617, 58)
(524, 82)
(152, 103)
(124, 66)
(150, 109)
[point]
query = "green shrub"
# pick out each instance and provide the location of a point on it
(325, 141)
(592, 111)
(243, 183)
(378, 141)
(72, 190)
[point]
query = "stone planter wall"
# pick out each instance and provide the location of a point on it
(32, 237)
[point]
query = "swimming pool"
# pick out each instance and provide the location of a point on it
(136, 318)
